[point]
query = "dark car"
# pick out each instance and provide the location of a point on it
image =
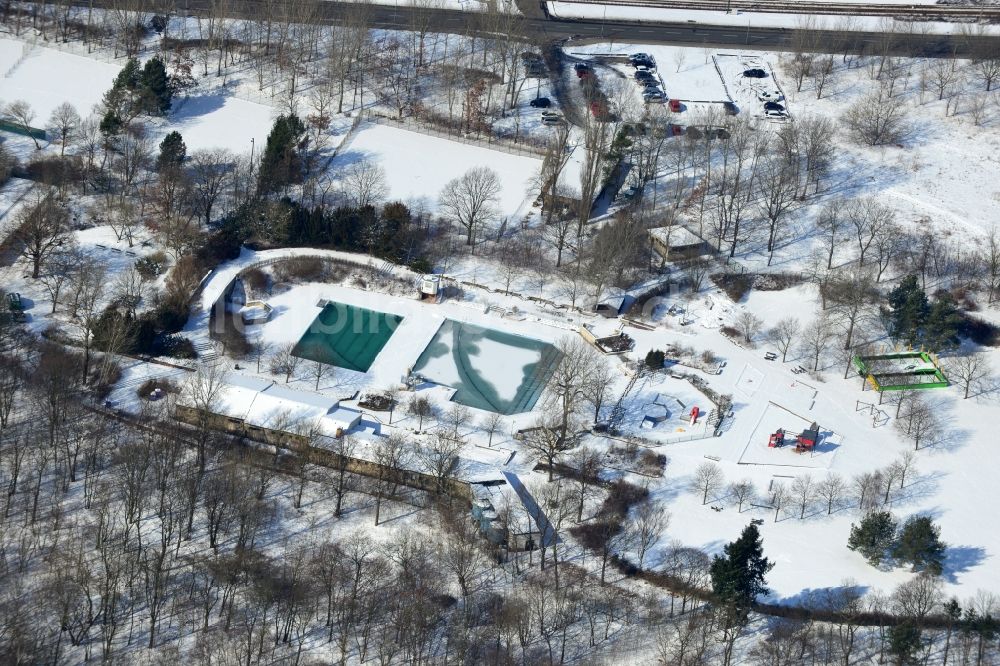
(730, 108)
(755, 73)
(643, 75)
(773, 106)
(541, 102)
(581, 66)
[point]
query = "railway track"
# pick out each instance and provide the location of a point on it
(913, 12)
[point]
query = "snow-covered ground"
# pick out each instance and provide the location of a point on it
(215, 120)
(418, 166)
(47, 77)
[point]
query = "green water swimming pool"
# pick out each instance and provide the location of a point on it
(347, 336)
(489, 369)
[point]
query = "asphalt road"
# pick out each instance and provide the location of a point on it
(546, 28)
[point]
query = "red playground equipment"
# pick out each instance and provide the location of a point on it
(694, 415)
(805, 441)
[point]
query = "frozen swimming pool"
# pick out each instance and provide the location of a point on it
(489, 369)
(347, 336)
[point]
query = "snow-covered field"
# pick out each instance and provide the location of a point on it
(47, 77)
(216, 120)
(418, 166)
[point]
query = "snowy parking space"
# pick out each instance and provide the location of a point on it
(747, 92)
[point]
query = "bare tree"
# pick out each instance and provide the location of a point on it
(918, 421)
(440, 457)
(854, 299)
(832, 226)
(320, 371)
(64, 122)
(210, 170)
(784, 334)
(803, 490)
(42, 227)
(877, 119)
(749, 325)
(285, 362)
(422, 408)
(471, 199)
(708, 478)
(743, 492)
(649, 523)
(869, 218)
(364, 183)
(780, 496)
(816, 338)
(831, 490)
(22, 115)
(490, 424)
(969, 371)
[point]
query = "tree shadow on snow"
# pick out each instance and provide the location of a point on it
(198, 106)
(960, 559)
(824, 598)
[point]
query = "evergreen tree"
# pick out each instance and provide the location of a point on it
(120, 100)
(908, 310)
(156, 94)
(655, 359)
(874, 536)
(281, 164)
(943, 323)
(111, 124)
(738, 574)
(919, 544)
(172, 152)
(904, 642)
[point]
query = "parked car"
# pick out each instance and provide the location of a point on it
(773, 106)
(774, 113)
(641, 59)
(654, 98)
(730, 108)
(541, 102)
(765, 96)
(581, 67)
(650, 85)
(552, 119)
(644, 75)
(755, 73)
(675, 105)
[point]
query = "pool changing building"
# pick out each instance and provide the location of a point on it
(266, 411)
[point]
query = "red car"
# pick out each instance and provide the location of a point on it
(675, 105)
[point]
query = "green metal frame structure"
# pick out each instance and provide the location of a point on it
(931, 376)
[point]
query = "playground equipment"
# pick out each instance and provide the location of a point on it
(805, 441)
(900, 371)
(694, 415)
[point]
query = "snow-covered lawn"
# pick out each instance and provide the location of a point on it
(216, 120)
(46, 78)
(418, 166)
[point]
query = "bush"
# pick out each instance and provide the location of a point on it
(150, 385)
(301, 269)
(256, 280)
(655, 359)
(736, 285)
(151, 266)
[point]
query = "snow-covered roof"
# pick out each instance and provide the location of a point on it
(281, 408)
(267, 404)
(238, 395)
(341, 418)
(676, 236)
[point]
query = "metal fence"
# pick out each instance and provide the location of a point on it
(490, 142)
